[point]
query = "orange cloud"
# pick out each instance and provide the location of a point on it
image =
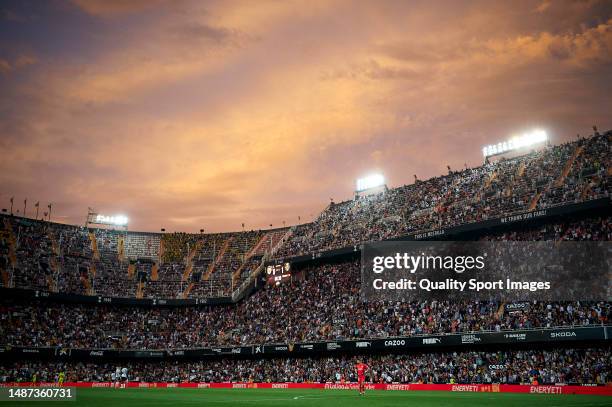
(213, 114)
(543, 6)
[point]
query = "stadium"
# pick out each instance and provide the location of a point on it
(94, 312)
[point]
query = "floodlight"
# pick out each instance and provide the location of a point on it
(118, 220)
(524, 140)
(370, 181)
(121, 220)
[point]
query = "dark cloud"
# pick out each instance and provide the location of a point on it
(197, 31)
(21, 61)
(10, 15)
(5, 66)
(118, 7)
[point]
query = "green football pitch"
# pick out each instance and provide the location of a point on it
(313, 398)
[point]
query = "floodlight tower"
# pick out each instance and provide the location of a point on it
(525, 140)
(369, 185)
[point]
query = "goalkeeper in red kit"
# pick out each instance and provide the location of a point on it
(361, 369)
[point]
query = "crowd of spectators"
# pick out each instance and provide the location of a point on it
(554, 366)
(319, 303)
(561, 174)
(269, 321)
(71, 259)
(587, 178)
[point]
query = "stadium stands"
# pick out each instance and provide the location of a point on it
(321, 301)
(72, 259)
(560, 174)
(551, 366)
(324, 304)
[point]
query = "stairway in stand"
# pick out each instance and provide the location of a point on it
(139, 289)
(217, 260)
(568, 166)
(86, 281)
(94, 246)
(189, 261)
(187, 290)
(560, 180)
(534, 201)
(519, 174)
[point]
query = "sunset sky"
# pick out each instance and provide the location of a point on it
(208, 114)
